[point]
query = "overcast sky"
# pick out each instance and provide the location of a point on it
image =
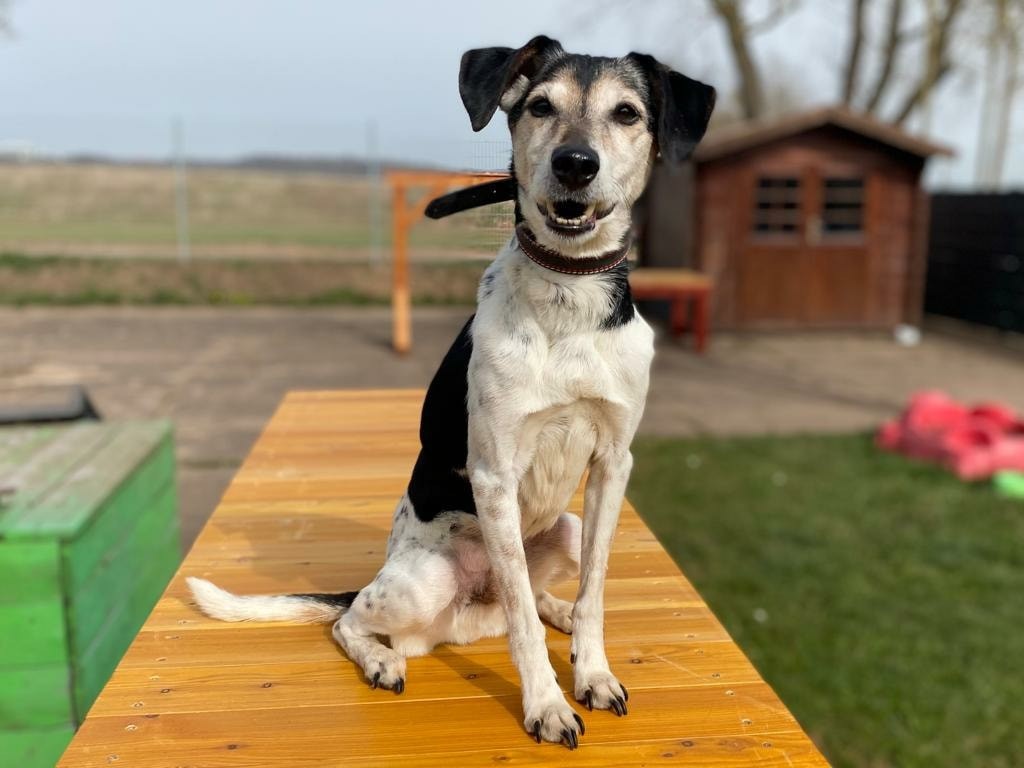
(320, 76)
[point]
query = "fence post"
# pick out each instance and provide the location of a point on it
(180, 191)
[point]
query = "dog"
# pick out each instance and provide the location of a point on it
(546, 381)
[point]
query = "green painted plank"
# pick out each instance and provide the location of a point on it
(113, 522)
(33, 633)
(155, 528)
(69, 504)
(47, 468)
(93, 668)
(37, 748)
(29, 571)
(17, 444)
(34, 697)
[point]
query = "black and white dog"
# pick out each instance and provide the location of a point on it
(546, 381)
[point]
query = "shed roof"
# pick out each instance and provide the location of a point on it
(741, 136)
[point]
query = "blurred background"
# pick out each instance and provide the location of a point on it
(198, 213)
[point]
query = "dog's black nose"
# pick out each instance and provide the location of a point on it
(575, 166)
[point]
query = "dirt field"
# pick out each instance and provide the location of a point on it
(129, 211)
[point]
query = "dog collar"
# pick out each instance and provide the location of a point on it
(556, 262)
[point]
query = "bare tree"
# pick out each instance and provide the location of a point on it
(1003, 42)
(740, 31)
(890, 52)
(942, 17)
(853, 53)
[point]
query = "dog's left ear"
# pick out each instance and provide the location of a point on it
(682, 108)
(487, 74)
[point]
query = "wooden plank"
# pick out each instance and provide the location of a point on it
(113, 520)
(69, 504)
(35, 697)
(17, 444)
(394, 726)
(45, 468)
(29, 571)
(111, 585)
(33, 632)
(34, 748)
(310, 511)
(94, 663)
(450, 672)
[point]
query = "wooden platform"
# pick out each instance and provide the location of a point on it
(310, 511)
(685, 290)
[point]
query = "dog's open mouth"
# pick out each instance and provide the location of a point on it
(569, 218)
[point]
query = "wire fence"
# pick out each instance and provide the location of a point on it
(187, 193)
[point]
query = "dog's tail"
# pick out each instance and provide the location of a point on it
(314, 608)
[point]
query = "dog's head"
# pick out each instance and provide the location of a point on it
(585, 132)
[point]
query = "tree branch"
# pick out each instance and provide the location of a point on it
(853, 52)
(751, 88)
(937, 64)
(893, 41)
(779, 11)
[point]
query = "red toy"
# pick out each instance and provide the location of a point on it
(974, 442)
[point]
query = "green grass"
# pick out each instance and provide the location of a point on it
(883, 599)
(82, 207)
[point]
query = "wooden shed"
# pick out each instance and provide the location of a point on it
(815, 220)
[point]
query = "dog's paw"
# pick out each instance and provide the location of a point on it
(557, 613)
(556, 722)
(601, 690)
(385, 669)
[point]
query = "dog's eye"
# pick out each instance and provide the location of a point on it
(540, 108)
(626, 114)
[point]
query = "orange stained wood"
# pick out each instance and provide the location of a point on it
(406, 212)
(309, 511)
(681, 287)
(654, 278)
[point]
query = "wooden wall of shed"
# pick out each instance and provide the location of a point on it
(892, 218)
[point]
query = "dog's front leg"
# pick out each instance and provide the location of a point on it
(548, 715)
(594, 684)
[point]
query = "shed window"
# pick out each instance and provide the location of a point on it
(843, 210)
(777, 205)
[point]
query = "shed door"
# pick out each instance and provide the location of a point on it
(805, 258)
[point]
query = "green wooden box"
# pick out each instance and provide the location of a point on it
(89, 538)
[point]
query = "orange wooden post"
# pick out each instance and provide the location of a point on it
(404, 215)
(401, 309)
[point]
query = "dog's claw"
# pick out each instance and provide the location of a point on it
(624, 691)
(568, 736)
(536, 730)
(572, 658)
(619, 706)
(579, 722)
(590, 701)
(376, 680)
(400, 685)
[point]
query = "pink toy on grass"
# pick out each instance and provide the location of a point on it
(972, 442)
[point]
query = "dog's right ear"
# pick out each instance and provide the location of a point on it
(487, 74)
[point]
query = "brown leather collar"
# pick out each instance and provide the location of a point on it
(556, 262)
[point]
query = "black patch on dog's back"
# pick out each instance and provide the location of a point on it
(622, 298)
(439, 483)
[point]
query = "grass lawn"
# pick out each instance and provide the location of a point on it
(883, 599)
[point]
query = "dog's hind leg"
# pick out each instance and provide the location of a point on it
(403, 602)
(554, 556)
